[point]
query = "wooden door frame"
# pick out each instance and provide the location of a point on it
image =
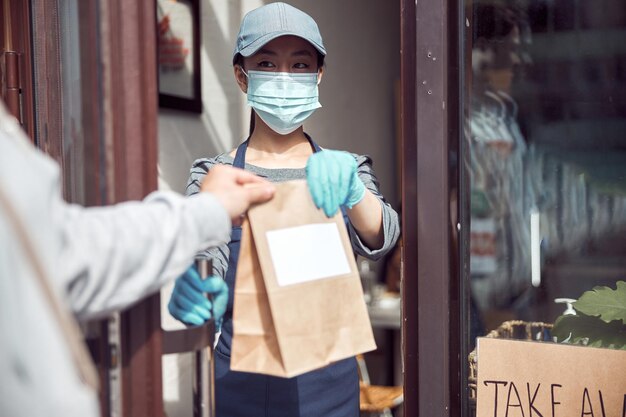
(128, 31)
(15, 37)
(431, 287)
(121, 88)
(47, 78)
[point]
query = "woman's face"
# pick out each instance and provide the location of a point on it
(506, 63)
(283, 54)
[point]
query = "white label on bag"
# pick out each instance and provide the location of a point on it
(307, 253)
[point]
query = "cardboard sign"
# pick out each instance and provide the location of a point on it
(533, 379)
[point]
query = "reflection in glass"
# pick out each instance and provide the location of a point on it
(501, 196)
(81, 103)
(175, 43)
(545, 149)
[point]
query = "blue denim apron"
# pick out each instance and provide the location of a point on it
(332, 391)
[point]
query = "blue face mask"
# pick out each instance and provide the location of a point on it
(283, 100)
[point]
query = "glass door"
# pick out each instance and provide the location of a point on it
(544, 152)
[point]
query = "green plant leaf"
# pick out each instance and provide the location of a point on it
(590, 331)
(604, 302)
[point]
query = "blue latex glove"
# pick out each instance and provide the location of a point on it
(333, 180)
(188, 302)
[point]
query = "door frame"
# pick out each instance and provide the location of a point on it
(128, 32)
(120, 83)
(431, 97)
(15, 40)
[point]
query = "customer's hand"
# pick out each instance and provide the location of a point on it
(333, 180)
(236, 189)
(189, 303)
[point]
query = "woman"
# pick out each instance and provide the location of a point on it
(278, 62)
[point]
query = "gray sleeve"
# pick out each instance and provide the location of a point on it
(101, 259)
(217, 254)
(114, 256)
(391, 225)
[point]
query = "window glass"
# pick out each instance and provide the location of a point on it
(545, 154)
(81, 98)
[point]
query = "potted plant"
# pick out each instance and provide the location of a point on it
(600, 319)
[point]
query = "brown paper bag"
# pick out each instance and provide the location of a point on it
(286, 324)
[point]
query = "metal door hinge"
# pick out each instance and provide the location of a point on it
(11, 83)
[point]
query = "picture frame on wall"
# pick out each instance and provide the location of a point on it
(178, 54)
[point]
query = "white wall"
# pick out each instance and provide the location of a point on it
(362, 38)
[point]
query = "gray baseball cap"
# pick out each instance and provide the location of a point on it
(268, 22)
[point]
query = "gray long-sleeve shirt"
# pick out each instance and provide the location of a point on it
(95, 260)
(391, 228)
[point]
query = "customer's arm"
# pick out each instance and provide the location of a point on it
(114, 256)
(106, 258)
